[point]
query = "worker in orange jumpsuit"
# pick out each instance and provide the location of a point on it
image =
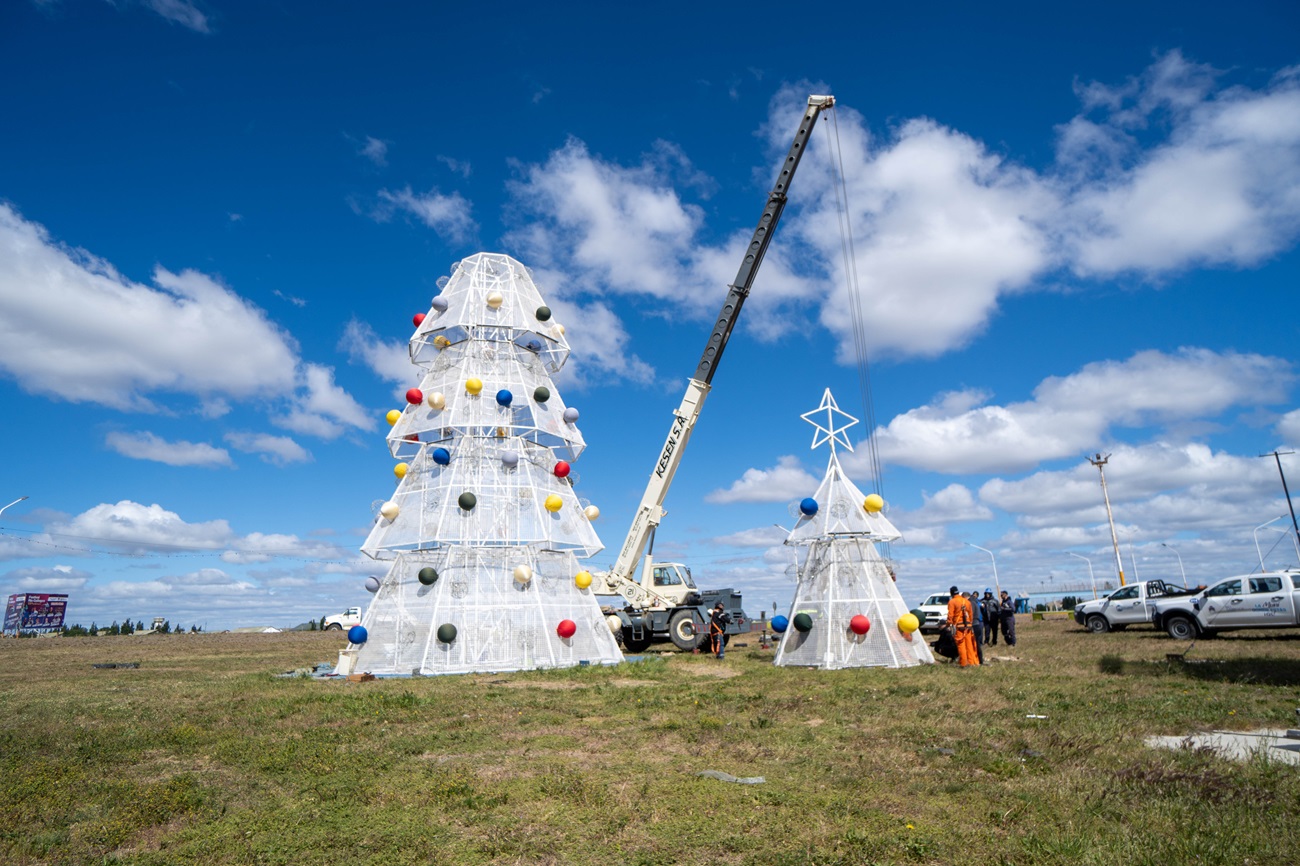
(961, 618)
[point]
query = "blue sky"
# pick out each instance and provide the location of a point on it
(1072, 234)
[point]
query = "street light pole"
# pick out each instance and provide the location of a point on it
(1099, 461)
(1091, 576)
(15, 502)
(1181, 570)
(996, 584)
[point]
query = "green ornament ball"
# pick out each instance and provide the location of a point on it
(446, 632)
(467, 501)
(543, 314)
(802, 622)
(542, 394)
(428, 576)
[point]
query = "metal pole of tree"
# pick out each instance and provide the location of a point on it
(1181, 570)
(1277, 455)
(1255, 534)
(1099, 461)
(1091, 576)
(996, 584)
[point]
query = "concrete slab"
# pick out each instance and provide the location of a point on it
(1275, 745)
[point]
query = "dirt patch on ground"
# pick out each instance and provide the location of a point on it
(632, 684)
(549, 685)
(815, 723)
(722, 673)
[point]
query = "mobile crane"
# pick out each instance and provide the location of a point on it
(664, 600)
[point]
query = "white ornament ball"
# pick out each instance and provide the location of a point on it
(436, 400)
(509, 459)
(440, 304)
(495, 300)
(570, 414)
(560, 328)
(592, 512)
(390, 510)
(523, 574)
(615, 624)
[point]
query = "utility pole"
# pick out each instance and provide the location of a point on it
(1099, 461)
(1277, 455)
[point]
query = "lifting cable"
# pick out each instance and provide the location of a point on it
(850, 263)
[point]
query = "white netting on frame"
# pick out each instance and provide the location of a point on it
(840, 579)
(498, 622)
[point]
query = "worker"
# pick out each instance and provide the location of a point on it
(718, 620)
(991, 615)
(961, 619)
(977, 622)
(1007, 613)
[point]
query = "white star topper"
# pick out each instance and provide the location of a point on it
(829, 432)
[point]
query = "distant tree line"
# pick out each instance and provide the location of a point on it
(78, 630)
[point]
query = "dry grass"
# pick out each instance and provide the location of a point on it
(203, 756)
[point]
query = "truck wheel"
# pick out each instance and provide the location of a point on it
(684, 632)
(1180, 628)
(635, 645)
(1097, 624)
(333, 627)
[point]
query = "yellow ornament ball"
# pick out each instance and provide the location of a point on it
(873, 503)
(441, 342)
(592, 512)
(473, 386)
(908, 623)
(400, 470)
(582, 579)
(436, 400)
(393, 416)
(494, 300)
(554, 502)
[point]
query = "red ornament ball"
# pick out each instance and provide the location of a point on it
(566, 628)
(561, 469)
(415, 396)
(412, 437)
(860, 624)
(417, 319)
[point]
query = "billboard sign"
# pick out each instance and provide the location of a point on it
(35, 613)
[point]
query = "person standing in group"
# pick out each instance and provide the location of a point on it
(991, 616)
(960, 617)
(718, 619)
(1007, 613)
(977, 622)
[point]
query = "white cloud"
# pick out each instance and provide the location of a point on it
(188, 335)
(448, 215)
(277, 450)
(391, 361)
(133, 527)
(1288, 427)
(180, 12)
(58, 578)
(1221, 189)
(375, 150)
(1073, 414)
(787, 480)
(953, 504)
(323, 409)
(147, 446)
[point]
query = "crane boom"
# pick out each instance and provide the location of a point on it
(651, 511)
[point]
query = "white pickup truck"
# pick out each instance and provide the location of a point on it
(343, 621)
(1269, 600)
(1126, 606)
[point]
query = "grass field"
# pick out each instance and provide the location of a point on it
(202, 755)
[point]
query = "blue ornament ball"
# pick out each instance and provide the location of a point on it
(808, 507)
(780, 624)
(357, 634)
(504, 397)
(441, 456)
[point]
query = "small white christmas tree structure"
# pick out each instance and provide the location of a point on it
(484, 530)
(847, 610)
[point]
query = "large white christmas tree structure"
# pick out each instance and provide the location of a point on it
(847, 609)
(485, 530)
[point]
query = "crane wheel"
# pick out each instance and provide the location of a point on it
(684, 631)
